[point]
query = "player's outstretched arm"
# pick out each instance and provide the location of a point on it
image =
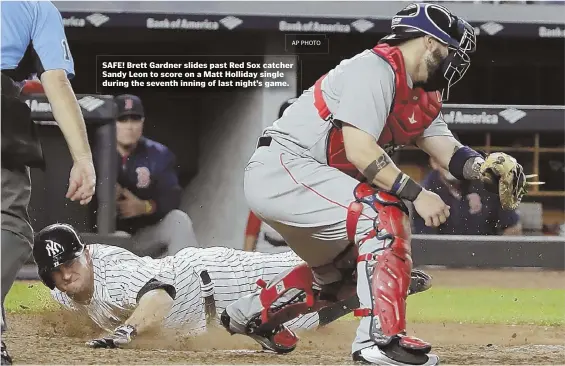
(363, 151)
(67, 112)
(55, 68)
(152, 308)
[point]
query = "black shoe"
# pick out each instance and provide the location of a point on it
(6, 359)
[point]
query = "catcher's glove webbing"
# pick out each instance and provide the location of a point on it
(503, 172)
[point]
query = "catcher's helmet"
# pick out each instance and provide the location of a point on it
(420, 19)
(53, 246)
(285, 105)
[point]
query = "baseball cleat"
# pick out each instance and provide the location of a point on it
(6, 359)
(394, 354)
(420, 281)
(280, 340)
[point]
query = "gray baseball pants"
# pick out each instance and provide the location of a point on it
(307, 202)
(17, 234)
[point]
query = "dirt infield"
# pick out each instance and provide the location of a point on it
(59, 339)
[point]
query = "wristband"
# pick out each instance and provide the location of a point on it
(148, 207)
(406, 188)
(460, 159)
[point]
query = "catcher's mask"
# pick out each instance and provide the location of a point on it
(54, 246)
(417, 20)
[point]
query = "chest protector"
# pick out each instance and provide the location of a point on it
(412, 111)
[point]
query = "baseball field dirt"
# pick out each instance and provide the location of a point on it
(57, 338)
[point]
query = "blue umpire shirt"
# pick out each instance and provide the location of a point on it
(40, 24)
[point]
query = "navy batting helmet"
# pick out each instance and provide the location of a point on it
(420, 19)
(53, 246)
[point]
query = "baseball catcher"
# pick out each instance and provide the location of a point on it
(322, 177)
(127, 295)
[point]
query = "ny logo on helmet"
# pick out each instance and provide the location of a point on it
(53, 248)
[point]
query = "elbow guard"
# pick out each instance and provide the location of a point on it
(458, 162)
(155, 284)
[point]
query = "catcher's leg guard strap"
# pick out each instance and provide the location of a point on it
(353, 213)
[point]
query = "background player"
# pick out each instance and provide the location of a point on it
(126, 295)
(148, 189)
(34, 41)
(354, 238)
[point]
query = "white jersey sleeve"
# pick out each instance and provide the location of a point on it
(188, 310)
(125, 277)
(120, 276)
(127, 274)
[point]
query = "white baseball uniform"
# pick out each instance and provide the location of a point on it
(120, 274)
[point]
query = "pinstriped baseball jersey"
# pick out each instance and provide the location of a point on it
(120, 274)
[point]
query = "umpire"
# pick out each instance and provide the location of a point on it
(33, 41)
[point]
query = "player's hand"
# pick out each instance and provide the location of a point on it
(119, 191)
(122, 335)
(82, 181)
(431, 208)
(130, 205)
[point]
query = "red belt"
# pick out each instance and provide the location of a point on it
(319, 101)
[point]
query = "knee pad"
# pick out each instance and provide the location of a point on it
(393, 217)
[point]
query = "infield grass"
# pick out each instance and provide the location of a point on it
(473, 305)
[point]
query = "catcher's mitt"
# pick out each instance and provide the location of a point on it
(504, 172)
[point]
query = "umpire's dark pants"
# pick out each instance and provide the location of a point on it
(17, 233)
